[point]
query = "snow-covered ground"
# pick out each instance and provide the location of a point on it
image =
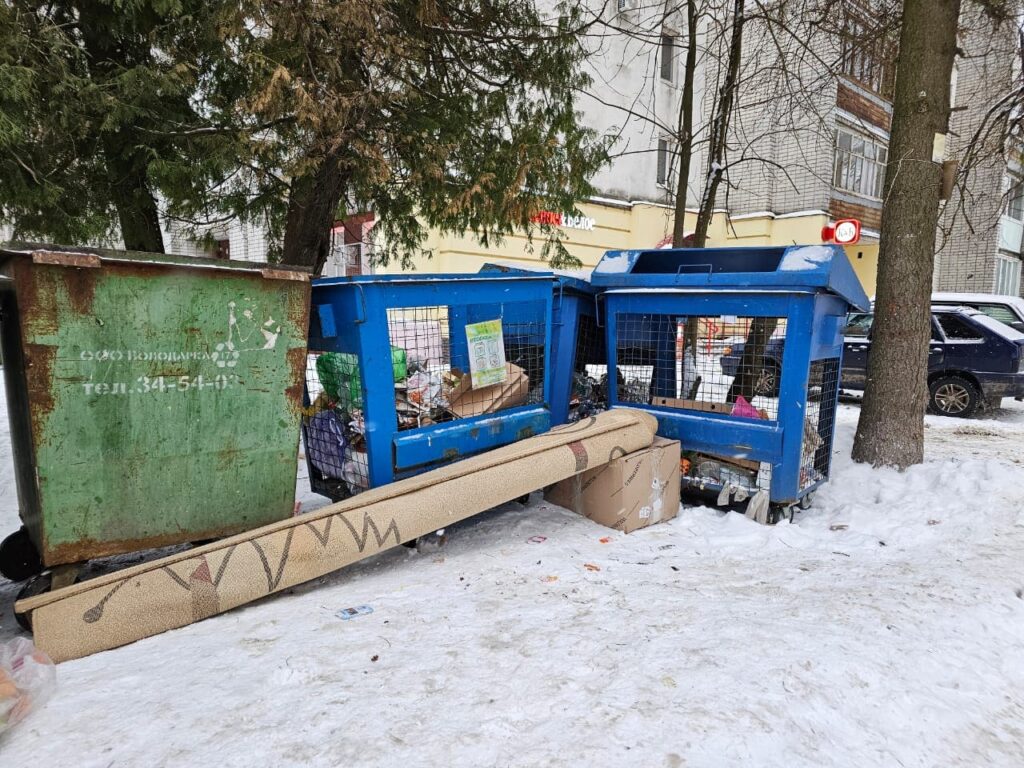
(884, 628)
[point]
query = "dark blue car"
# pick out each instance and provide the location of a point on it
(973, 360)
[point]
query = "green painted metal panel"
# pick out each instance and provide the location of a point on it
(164, 399)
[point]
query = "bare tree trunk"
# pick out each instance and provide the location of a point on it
(891, 427)
(312, 208)
(685, 139)
(684, 134)
(716, 163)
(720, 128)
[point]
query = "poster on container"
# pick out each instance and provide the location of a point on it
(486, 353)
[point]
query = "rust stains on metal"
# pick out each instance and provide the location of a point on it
(37, 305)
(81, 287)
(39, 360)
(524, 433)
(66, 259)
(297, 366)
(82, 550)
(229, 455)
(451, 453)
(298, 308)
(285, 274)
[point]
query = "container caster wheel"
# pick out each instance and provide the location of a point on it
(779, 512)
(806, 501)
(19, 559)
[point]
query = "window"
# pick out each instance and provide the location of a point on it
(1015, 199)
(859, 164)
(868, 57)
(999, 312)
(858, 325)
(1007, 275)
(668, 58)
(663, 161)
(222, 249)
(958, 329)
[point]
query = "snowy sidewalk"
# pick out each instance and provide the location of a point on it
(884, 628)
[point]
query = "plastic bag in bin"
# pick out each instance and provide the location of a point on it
(27, 678)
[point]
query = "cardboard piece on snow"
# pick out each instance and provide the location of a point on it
(629, 492)
(465, 401)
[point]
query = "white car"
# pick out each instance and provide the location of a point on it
(1005, 309)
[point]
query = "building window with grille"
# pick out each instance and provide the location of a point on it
(859, 164)
(1007, 275)
(668, 58)
(664, 161)
(868, 54)
(1015, 199)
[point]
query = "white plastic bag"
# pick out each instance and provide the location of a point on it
(27, 678)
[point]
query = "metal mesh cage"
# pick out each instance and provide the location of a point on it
(448, 362)
(589, 392)
(331, 428)
(434, 372)
(819, 421)
(703, 471)
(729, 365)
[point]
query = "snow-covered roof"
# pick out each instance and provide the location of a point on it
(980, 298)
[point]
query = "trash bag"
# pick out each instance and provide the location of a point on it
(339, 375)
(27, 679)
(325, 441)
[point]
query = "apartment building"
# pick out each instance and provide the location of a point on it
(832, 165)
(979, 246)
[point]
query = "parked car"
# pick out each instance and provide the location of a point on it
(1005, 309)
(973, 360)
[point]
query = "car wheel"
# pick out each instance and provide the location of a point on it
(954, 396)
(767, 384)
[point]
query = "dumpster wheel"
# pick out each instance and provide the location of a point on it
(779, 512)
(19, 559)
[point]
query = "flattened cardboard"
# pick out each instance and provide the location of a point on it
(630, 492)
(465, 401)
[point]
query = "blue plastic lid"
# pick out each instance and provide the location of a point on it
(800, 268)
(569, 280)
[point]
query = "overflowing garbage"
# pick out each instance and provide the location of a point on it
(425, 393)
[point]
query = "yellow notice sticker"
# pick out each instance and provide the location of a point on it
(486, 353)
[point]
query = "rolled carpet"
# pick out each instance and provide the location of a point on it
(147, 599)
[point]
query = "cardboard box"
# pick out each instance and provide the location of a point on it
(627, 493)
(465, 401)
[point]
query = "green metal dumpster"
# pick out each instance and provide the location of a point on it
(152, 399)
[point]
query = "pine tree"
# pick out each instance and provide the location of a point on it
(449, 114)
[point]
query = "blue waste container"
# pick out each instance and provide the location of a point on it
(392, 387)
(579, 362)
(737, 352)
